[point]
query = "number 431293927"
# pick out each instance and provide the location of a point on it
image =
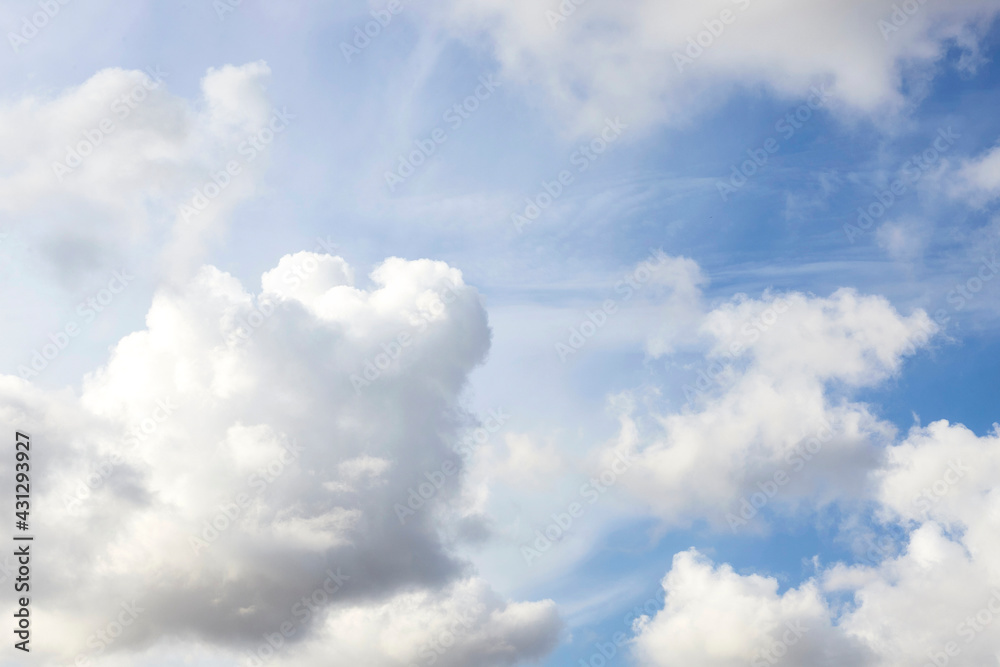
(22, 480)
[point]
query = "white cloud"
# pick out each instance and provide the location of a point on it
(942, 472)
(936, 602)
(904, 240)
(676, 285)
(223, 462)
(714, 617)
(979, 178)
(770, 412)
(518, 460)
(608, 59)
(105, 168)
(940, 597)
(467, 624)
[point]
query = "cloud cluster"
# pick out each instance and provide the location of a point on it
(223, 473)
(714, 617)
(769, 418)
(664, 61)
(940, 598)
(771, 428)
(119, 164)
(936, 602)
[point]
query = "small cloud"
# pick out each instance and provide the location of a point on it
(904, 240)
(979, 179)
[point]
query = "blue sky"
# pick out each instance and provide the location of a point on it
(888, 334)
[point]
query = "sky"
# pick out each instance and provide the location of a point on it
(495, 333)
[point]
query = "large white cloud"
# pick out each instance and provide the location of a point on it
(940, 598)
(928, 597)
(243, 449)
(922, 514)
(592, 59)
(119, 165)
(769, 417)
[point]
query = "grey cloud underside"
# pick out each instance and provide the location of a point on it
(239, 404)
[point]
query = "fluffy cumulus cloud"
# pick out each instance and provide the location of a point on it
(714, 617)
(118, 161)
(925, 588)
(934, 602)
(768, 417)
(466, 625)
(653, 61)
(940, 598)
(273, 462)
(925, 591)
